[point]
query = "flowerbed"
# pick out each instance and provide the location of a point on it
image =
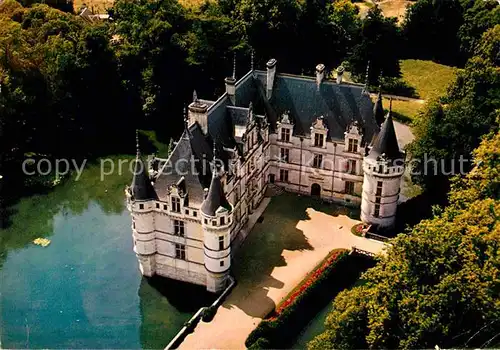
(306, 283)
(359, 229)
(302, 304)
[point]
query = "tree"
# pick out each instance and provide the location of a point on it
(451, 128)
(478, 16)
(377, 43)
(430, 29)
(438, 284)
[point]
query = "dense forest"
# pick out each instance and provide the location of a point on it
(74, 89)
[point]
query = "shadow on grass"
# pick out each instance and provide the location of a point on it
(263, 249)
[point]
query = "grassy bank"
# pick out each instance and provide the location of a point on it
(429, 79)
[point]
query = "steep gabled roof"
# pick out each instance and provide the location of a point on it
(339, 104)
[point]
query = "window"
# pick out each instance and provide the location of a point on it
(205, 221)
(285, 135)
(221, 243)
(187, 212)
(376, 212)
(214, 223)
(377, 200)
(318, 140)
(157, 205)
(179, 228)
(353, 146)
(164, 207)
(222, 221)
(285, 155)
(195, 213)
(379, 188)
(141, 206)
(351, 167)
(283, 175)
(180, 251)
(349, 187)
(221, 263)
(176, 205)
(318, 160)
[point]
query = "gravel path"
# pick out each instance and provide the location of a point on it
(253, 298)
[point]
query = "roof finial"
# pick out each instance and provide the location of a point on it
(185, 117)
(234, 66)
(252, 60)
(380, 81)
(367, 76)
(195, 96)
(137, 142)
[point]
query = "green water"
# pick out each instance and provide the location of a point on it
(314, 328)
(84, 290)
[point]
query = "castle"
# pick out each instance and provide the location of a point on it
(309, 135)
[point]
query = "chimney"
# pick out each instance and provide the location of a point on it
(340, 73)
(271, 72)
(231, 82)
(198, 112)
(230, 87)
(320, 74)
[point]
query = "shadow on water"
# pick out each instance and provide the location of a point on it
(160, 297)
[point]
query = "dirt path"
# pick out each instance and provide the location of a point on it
(268, 278)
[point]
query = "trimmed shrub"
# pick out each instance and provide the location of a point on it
(208, 313)
(303, 304)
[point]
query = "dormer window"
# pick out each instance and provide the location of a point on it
(319, 140)
(353, 146)
(285, 134)
(176, 205)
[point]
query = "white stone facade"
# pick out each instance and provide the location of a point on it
(175, 239)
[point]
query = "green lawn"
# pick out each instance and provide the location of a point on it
(428, 78)
(404, 111)
(262, 250)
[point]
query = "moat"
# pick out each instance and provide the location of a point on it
(84, 290)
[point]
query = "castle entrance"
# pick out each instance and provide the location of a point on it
(316, 190)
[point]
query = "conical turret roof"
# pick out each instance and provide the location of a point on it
(386, 142)
(141, 187)
(378, 109)
(215, 197)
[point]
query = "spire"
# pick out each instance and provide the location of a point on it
(378, 108)
(195, 96)
(141, 185)
(186, 119)
(252, 60)
(215, 197)
(367, 77)
(234, 66)
(386, 142)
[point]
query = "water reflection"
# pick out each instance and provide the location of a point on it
(165, 306)
(84, 290)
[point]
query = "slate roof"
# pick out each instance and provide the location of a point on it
(378, 109)
(141, 187)
(195, 154)
(339, 104)
(386, 142)
(215, 198)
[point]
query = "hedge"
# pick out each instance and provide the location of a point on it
(303, 303)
